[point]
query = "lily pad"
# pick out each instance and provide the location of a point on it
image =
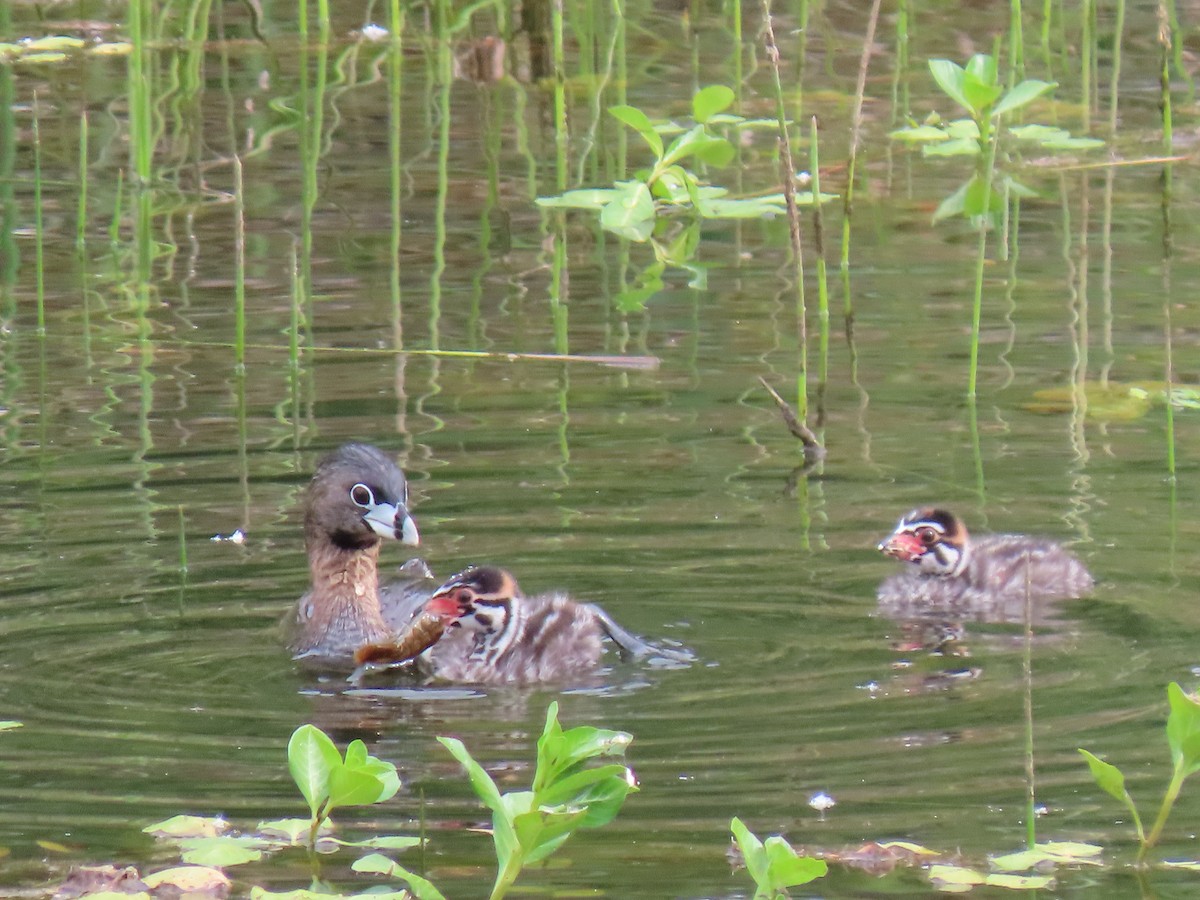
(199, 881)
(222, 851)
(1112, 402)
(188, 827)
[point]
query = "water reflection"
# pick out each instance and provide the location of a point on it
(661, 493)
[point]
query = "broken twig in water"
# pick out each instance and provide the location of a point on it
(812, 447)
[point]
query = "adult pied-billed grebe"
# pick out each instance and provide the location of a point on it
(483, 630)
(984, 578)
(357, 498)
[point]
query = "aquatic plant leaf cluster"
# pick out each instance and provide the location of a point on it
(977, 89)
(774, 864)
(328, 781)
(566, 795)
(1183, 739)
(631, 208)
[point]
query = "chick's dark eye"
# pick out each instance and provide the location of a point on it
(927, 536)
(361, 495)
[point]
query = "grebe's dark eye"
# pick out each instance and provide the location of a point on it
(361, 495)
(927, 536)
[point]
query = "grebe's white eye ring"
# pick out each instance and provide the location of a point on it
(362, 496)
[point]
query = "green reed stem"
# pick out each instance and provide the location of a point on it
(1027, 679)
(395, 105)
(1087, 38)
(445, 77)
(297, 292)
(900, 101)
(239, 266)
(38, 234)
(814, 156)
(81, 208)
(738, 66)
(1114, 80)
(183, 560)
(114, 225)
(989, 139)
(560, 96)
(1016, 43)
(789, 194)
(855, 137)
(1047, 18)
(323, 20)
(140, 140)
(1166, 41)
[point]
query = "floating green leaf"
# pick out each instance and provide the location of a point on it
(222, 851)
(54, 42)
(953, 147)
(42, 58)
(293, 831)
(1189, 865)
(188, 827)
(585, 198)
(919, 134)
(1053, 853)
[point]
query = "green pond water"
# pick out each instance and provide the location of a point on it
(666, 491)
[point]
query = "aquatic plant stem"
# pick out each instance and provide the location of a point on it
(988, 138)
(789, 194)
(239, 267)
(183, 559)
(822, 281)
(1166, 39)
(38, 234)
(1164, 811)
(855, 137)
(1027, 676)
(1115, 76)
(395, 99)
(1087, 16)
(81, 207)
(561, 135)
(140, 140)
(1016, 43)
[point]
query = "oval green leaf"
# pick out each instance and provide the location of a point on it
(711, 100)
(312, 758)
